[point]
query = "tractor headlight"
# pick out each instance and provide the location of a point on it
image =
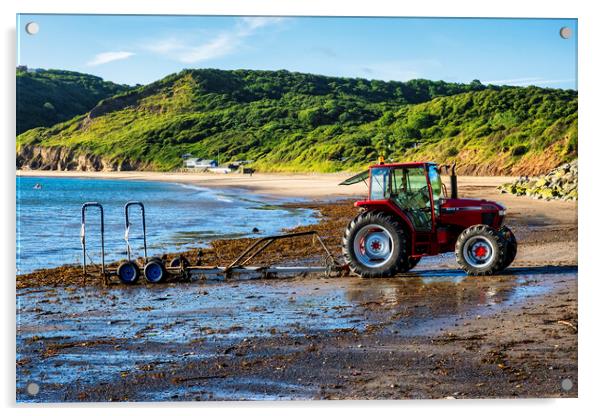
(502, 212)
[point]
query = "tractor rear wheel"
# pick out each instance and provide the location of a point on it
(480, 250)
(511, 246)
(374, 245)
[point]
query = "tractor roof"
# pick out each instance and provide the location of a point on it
(362, 176)
(402, 165)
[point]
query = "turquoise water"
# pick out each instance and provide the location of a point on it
(178, 217)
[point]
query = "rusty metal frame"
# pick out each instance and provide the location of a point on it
(263, 243)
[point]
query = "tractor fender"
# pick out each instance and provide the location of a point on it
(389, 207)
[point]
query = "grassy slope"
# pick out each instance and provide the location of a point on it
(51, 96)
(300, 122)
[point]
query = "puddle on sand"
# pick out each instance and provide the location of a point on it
(427, 301)
(112, 331)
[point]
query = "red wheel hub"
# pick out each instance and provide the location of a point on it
(375, 245)
(480, 251)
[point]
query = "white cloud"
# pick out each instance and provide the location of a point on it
(529, 81)
(223, 43)
(253, 23)
(512, 80)
(556, 81)
(401, 70)
(164, 45)
(106, 57)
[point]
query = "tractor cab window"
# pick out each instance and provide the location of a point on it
(410, 191)
(436, 186)
(379, 183)
(436, 183)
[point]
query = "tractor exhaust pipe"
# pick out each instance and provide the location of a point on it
(454, 181)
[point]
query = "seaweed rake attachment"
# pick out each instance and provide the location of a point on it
(155, 270)
(240, 265)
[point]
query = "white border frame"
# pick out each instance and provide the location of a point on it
(590, 28)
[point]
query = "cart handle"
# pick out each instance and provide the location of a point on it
(126, 210)
(102, 234)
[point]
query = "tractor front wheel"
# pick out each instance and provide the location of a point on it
(480, 250)
(374, 245)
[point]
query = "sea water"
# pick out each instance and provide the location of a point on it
(178, 217)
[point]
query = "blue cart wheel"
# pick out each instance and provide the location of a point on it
(154, 272)
(128, 272)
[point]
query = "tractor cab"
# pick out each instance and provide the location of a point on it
(427, 220)
(414, 188)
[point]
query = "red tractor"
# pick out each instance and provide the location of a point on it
(408, 215)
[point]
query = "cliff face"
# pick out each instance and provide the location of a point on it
(560, 183)
(469, 164)
(33, 157)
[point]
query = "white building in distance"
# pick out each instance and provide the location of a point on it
(196, 163)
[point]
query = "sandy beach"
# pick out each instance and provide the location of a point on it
(306, 185)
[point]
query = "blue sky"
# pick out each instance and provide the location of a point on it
(142, 49)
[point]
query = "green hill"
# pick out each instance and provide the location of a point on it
(301, 122)
(47, 97)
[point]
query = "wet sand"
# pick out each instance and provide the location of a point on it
(433, 333)
(428, 334)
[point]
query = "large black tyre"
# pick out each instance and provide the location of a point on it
(511, 246)
(480, 250)
(412, 262)
(374, 245)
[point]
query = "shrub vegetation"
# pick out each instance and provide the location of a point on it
(287, 121)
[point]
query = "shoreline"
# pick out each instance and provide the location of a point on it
(298, 185)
